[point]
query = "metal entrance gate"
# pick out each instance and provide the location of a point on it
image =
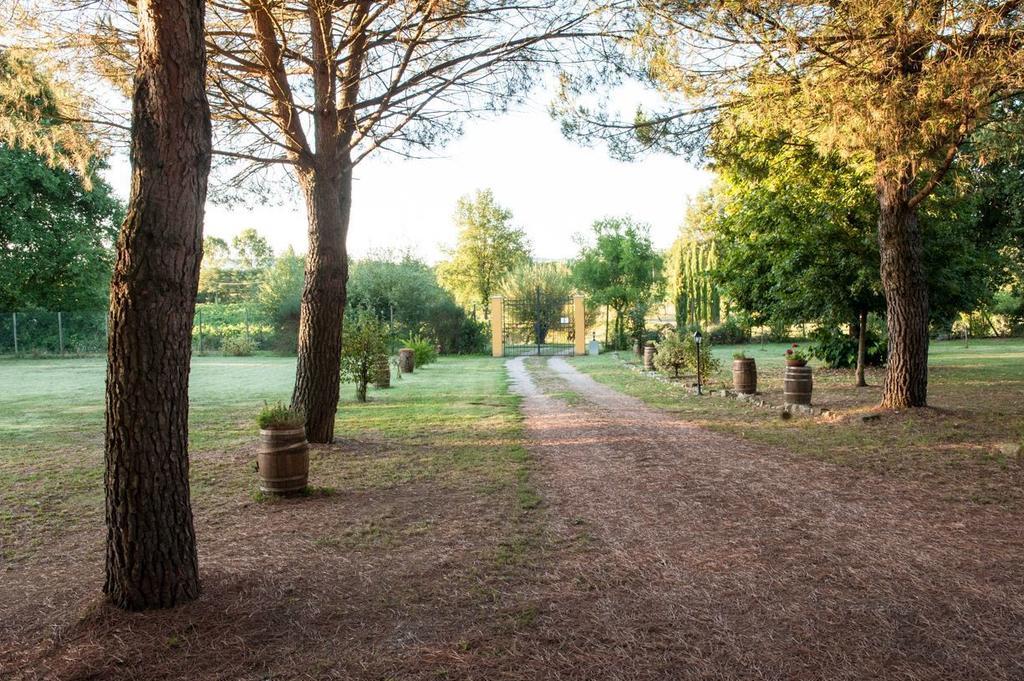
(541, 326)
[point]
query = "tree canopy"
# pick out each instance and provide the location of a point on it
(896, 87)
(56, 236)
(618, 267)
(488, 248)
(43, 114)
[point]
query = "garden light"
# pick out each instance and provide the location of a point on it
(697, 338)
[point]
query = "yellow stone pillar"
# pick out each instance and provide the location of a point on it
(497, 326)
(580, 323)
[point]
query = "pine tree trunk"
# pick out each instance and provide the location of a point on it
(328, 194)
(151, 557)
(906, 294)
(862, 347)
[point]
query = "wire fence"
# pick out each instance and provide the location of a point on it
(43, 332)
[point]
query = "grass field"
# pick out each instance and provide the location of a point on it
(51, 435)
(963, 442)
(427, 547)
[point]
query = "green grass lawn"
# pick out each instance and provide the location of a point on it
(976, 397)
(450, 420)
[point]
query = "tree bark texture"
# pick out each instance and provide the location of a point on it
(328, 196)
(151, 557)
(862, 347)
(906, 293)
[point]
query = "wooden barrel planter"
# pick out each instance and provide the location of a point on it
(797, 384)
(283, 460)
(744, 376)
(406, 360)
(649, 351)
(382, 374)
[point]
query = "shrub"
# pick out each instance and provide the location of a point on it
(671, 356)
(363, 348)
(838, 350)
(739, 355)
(238, 346)
(677, 354)
(424, 352)
(278, 416)
(474, 338)
(729, 332)
(709, 364)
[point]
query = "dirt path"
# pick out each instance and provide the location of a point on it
(688, 554)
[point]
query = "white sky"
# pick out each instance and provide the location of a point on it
(555, 189)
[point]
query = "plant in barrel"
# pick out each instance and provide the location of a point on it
(283, 458)
(363, 348)
(797, 382)
(744, 374)
(795, 357)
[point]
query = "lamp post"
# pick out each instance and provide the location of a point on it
(697, 338)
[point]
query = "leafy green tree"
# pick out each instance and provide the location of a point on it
(544, 288)
(280, 297)
(678, 352)
(56, 236)
(232, 274)
(252, 250)
(404, 292)
(41, 114)
(216, 253)
(618, 268)
(488, 248)
(364, 346)
(796, 234)
(900, 88)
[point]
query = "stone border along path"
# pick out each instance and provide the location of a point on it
(682, 553)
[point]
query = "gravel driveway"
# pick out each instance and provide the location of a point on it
(688, 554)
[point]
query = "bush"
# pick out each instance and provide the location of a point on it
(729, 332)
(671, 356)
(709, 364)
(279, 417)
(838, 350)
(474, 338)
(364, 346)
(424, 352)
(677, 354)
(238, 346)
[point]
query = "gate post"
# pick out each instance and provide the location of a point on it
(497, 326)
(580, 326)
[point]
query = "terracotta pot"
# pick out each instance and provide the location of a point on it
(796, 362)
